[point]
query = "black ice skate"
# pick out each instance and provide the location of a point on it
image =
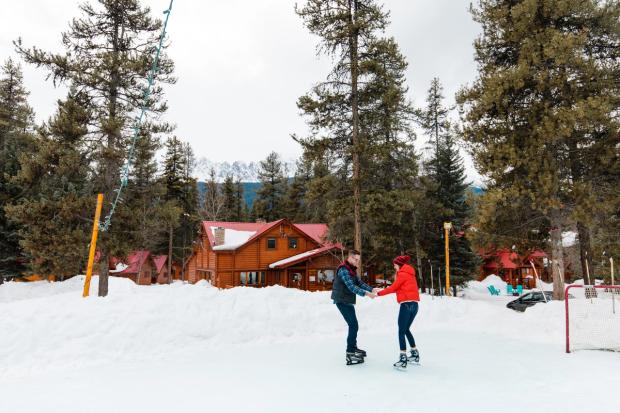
(414, 356)
(354, 358)
(360, 352)
(401, 364)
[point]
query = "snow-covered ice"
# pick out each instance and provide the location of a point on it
(194, 348)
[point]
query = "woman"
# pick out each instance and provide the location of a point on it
(406, 288)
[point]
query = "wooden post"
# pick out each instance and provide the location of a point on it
(613, 297)
(93, 246)
(446, 228)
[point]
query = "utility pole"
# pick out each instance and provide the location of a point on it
(446, 229)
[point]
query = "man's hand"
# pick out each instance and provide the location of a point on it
(376, 290)
(370, 294)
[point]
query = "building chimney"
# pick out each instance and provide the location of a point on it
(219, 234)
(260, 221)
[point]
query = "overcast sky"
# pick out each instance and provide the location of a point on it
(242, 64)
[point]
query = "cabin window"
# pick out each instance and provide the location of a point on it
(292, 243)
(271, 243)
(252, 278)
(326, 276)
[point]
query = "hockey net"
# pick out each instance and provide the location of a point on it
(592, 317)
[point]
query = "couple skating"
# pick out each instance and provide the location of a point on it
(347, 285)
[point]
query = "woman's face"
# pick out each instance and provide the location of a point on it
(396, 267)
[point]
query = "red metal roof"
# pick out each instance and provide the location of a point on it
(536, 254)
(503, 259)
(317, 232)
(135, 261)
(160, 261)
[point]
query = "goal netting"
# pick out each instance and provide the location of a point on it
(592, 317)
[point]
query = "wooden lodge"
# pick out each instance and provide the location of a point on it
(142, 267)
(513, 268)
(230, 254)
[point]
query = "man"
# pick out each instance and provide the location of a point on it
(346, 286)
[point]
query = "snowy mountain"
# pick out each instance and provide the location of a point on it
(244, 171)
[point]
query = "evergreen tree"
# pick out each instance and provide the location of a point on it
(146, 193)
(16, 125)
(181, 190)
(55, 213)
(294, 199)
(109, 54)
(346, 29)
(447, 190)
(385, 154)
(229, 193)
(241, 208)
(542, 116)
(269, 202)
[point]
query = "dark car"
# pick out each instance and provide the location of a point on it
(528, 300)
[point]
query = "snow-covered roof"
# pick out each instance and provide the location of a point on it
(240, 233)
(303, 256)
(119, 268)
(232, 238)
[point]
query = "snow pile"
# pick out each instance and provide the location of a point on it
(479, 290)
(145, 347)
(233, 239)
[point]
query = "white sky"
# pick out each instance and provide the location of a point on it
(242, 64)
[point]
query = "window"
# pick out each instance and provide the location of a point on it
(271, 243)
(326, 276)
(252, 278)
(292, 243)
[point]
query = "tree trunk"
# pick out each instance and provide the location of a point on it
(103, 275)
(557, 256)
(357, 215)
(419, 264)
(585, 251)
(170, 254)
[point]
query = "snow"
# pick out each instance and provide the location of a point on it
(569, 238)
(120, 267)
(182, 347)
(233, 239)
(294, 258)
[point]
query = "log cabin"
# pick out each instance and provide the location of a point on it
(231, 254)
(139, 267)
(513, 268)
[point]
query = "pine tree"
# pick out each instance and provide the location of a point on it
(346, 28)
(55, 213)
(241, 208)
(545, 106)
(229, 192)
(447, 188)
(294, 199)
(181, 191)
(16, 125)
(109, 54)
(269, 202)
(146, 193)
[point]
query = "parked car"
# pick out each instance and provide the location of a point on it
(528, 300)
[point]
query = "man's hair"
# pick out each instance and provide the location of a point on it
(354, 252)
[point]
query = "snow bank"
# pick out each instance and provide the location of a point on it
(145, 347)
(51, 325)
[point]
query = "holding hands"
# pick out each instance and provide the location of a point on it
(373, 293)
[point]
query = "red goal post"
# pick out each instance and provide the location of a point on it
(592, 317)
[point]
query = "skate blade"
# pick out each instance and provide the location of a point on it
(400, 368)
